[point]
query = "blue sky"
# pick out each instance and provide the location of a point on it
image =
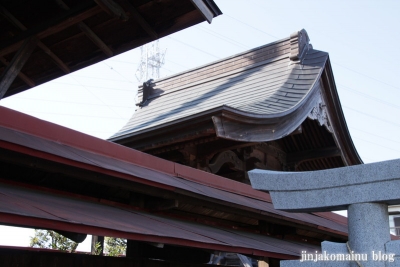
(361, 37)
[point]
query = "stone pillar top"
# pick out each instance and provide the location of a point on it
(332, 189)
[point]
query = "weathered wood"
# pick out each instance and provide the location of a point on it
(313, 154)
(95, 39)
(226, 157)
(16, 64)
(22, 76)
(139, 18)
(54, 57)
(47, 29)
(165, 204)
(26, 258)
(47, 50)
(137, 249)
(89, 33)
(204, 10)
(113, 9)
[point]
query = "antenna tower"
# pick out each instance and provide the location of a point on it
(151, 60)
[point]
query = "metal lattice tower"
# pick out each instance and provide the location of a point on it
(151, 61)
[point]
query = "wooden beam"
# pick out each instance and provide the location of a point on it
(15, 66)
(113, 9)
(89, 33)
(139, 18)
(313, 154)
(95, 39)
(22, 76)
(47, 29)
(204, 10)
(13, 20)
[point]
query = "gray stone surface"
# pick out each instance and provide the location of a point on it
(365, 190)
(315, 264)
(369, 230)
(332, 189)
(333, 247)
(393, 247)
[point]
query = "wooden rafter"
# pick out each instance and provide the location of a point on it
(204, 10)
(313, 154)
(15, 66)
(13, 20)
(89, 33)
(113, 9)
(42, 32)
(139, 18)
(21, 75)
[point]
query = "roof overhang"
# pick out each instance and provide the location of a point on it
(41, 40)
(27, 207)
(27, 141)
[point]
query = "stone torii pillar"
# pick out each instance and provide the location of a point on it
(364, 190)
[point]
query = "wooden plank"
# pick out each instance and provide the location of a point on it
(19, 60)
(113, 9)
(139, 18)
(89, 33)
(204, 10)
(46, 30)
(22, 76)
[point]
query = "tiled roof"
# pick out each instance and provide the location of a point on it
(266, 81)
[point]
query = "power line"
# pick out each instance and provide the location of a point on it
(369, 96)
(365, 75)
(97, 97)
(257, 29)
(379, 136)
(100, 78)
(223, 37)
(374, 117)
(102, 87)
(377, 144)
(77, 115)
(198, 49)
(111, 68)
(70, 102)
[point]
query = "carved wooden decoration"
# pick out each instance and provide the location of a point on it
(226, 157)
(320, 114)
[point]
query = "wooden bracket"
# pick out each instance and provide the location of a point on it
(226, 157)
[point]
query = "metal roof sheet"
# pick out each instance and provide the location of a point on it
(88, 217)
(77, 149)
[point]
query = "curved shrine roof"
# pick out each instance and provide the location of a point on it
(262, 83)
